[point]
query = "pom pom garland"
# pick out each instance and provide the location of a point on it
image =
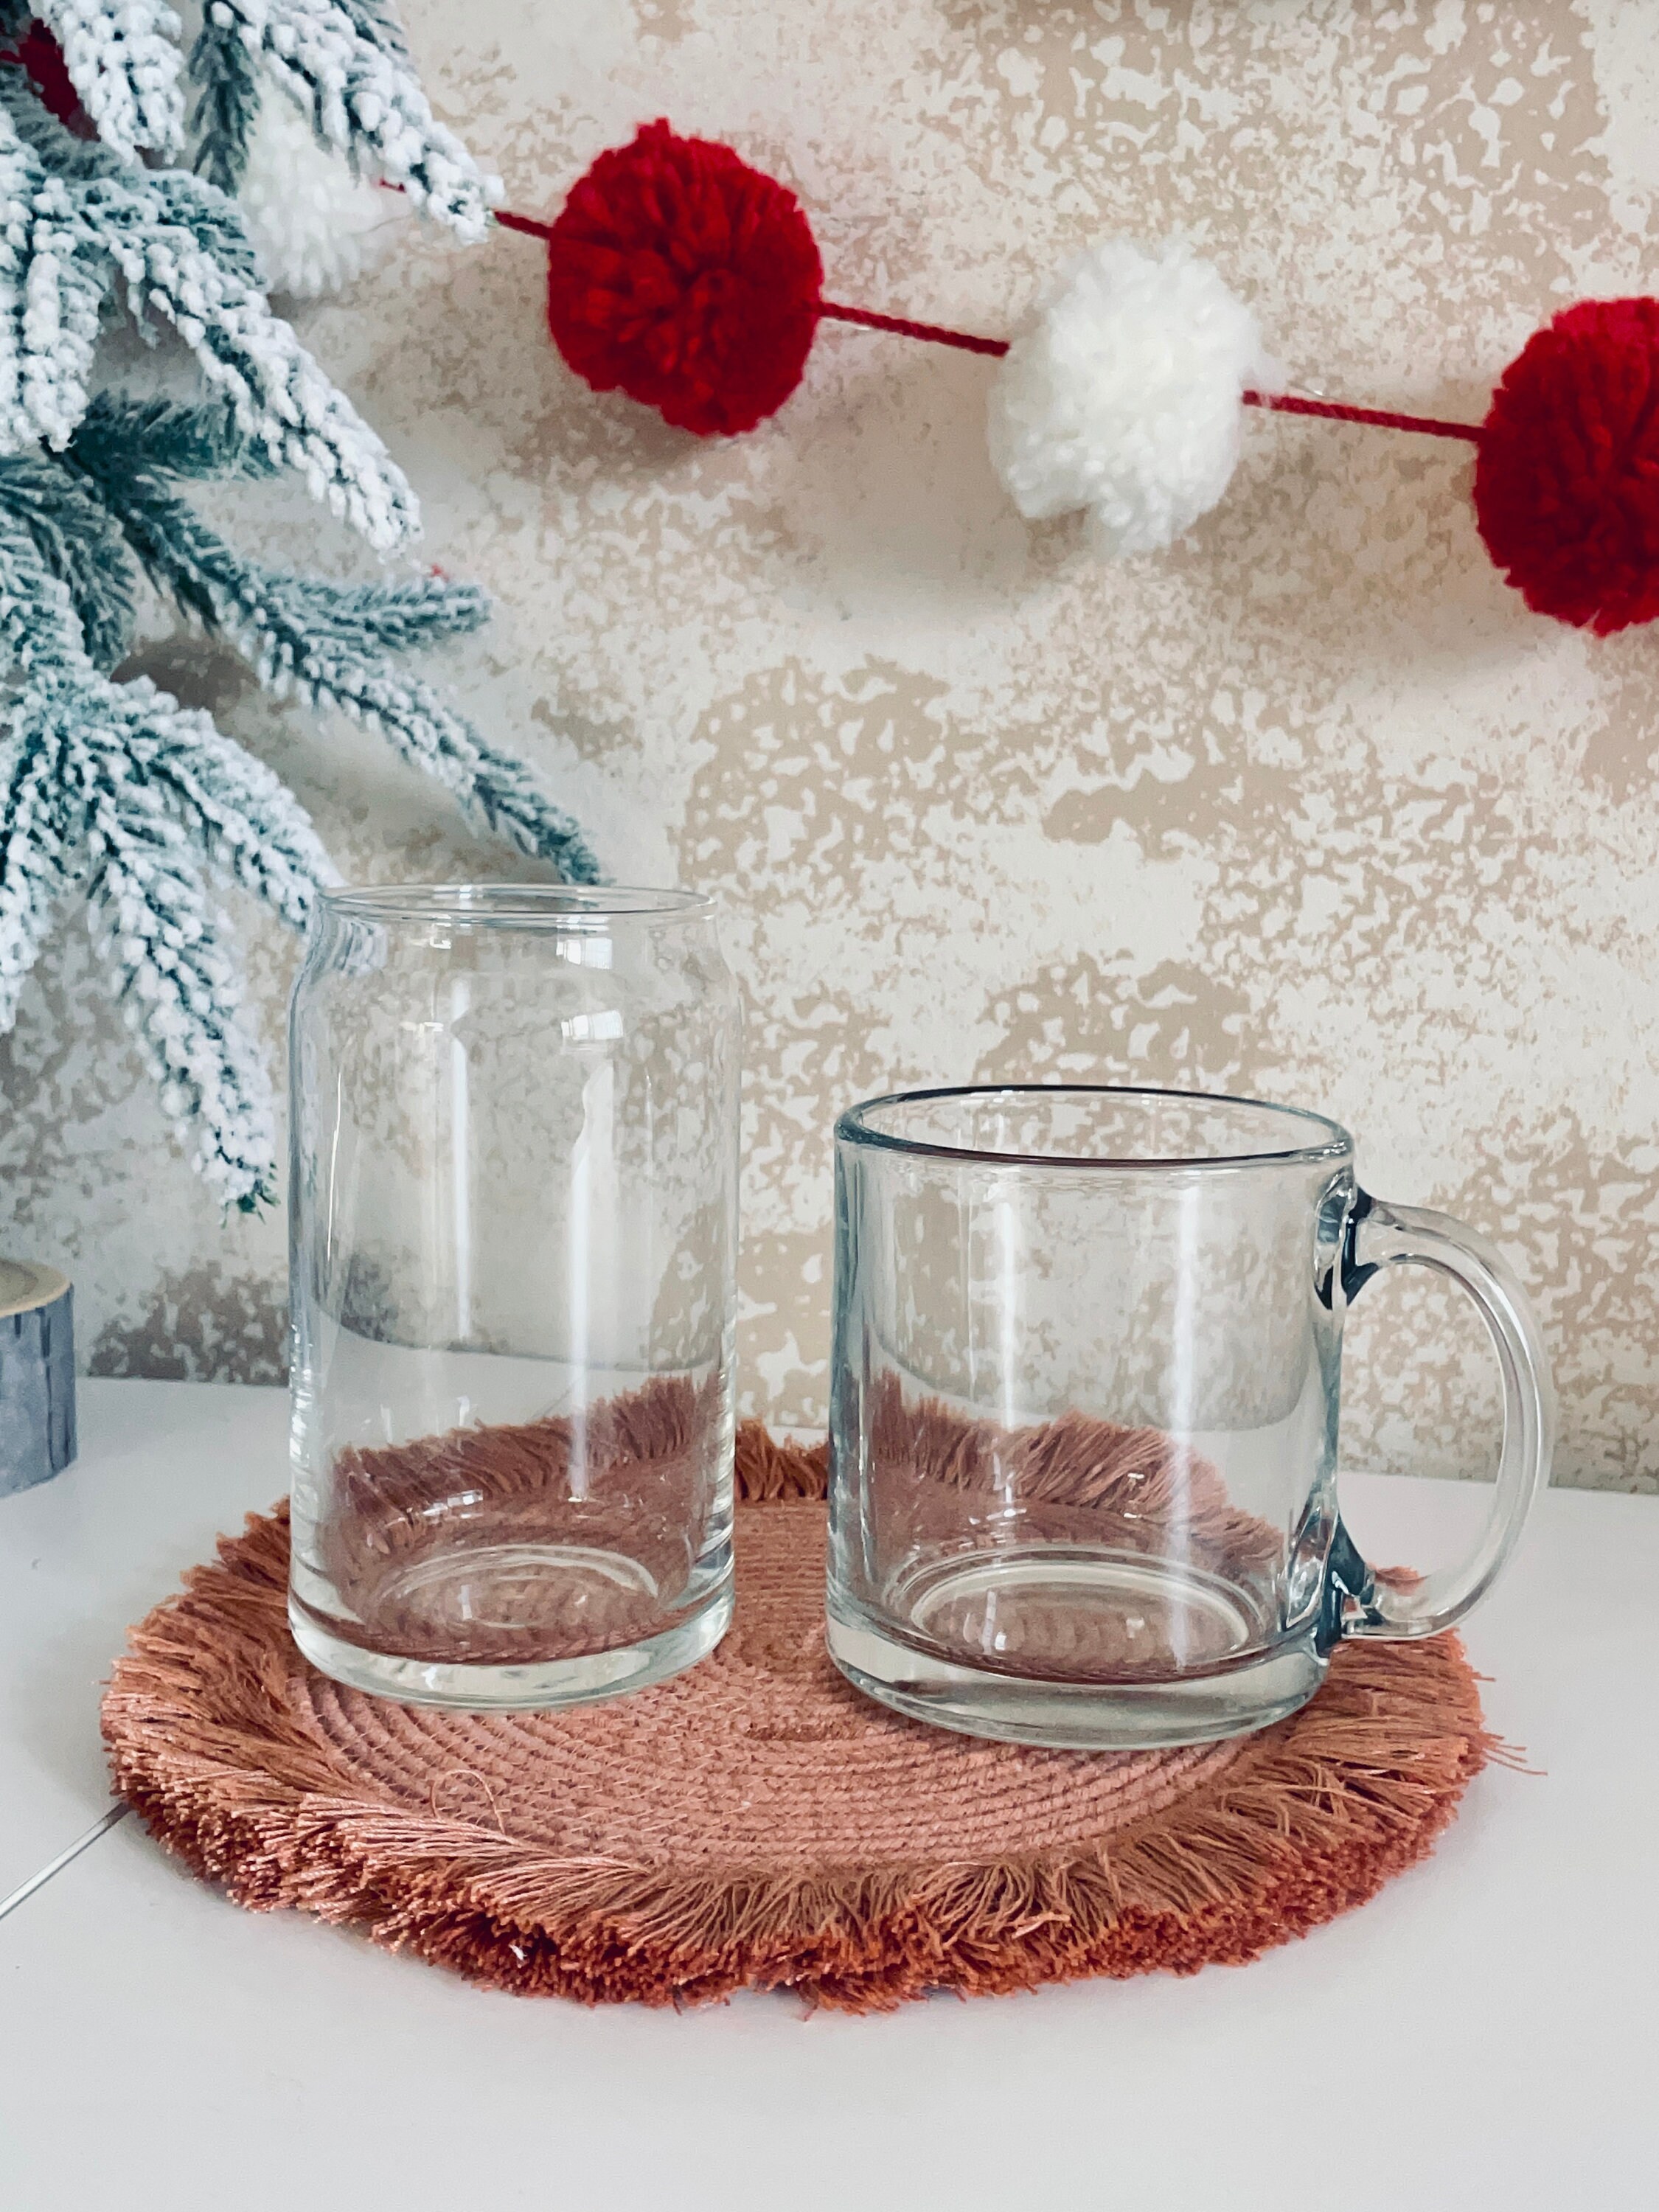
(314, 224)
(1124, 395)
(1566, 489)
(678, 275)
(689, 281)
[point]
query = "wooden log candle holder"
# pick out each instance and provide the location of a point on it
(37, 1374)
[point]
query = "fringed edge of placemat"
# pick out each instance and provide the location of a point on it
(1311, 1820)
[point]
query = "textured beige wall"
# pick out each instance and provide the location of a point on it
(1310, 807)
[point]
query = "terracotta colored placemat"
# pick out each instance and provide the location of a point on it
(758, 1823)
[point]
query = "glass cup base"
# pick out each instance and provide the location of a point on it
(534, 1686)
(1057, 1716)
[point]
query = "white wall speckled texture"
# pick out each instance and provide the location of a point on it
(1310, 807)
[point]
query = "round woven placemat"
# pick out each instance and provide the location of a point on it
(757, 1823)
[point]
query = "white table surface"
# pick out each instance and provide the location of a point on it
(1485, 2033)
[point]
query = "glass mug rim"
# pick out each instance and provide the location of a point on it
(514, 905)
(1335, 1146)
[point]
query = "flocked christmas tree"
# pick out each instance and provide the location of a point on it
(120, 149)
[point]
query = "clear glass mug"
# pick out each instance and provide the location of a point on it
(514, 1249)
(1083, 1418)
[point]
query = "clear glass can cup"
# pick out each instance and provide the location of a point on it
(513, 1268)
(1085, 1391)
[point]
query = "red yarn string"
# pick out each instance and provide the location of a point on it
(1331, 410)
(902, 326)
(1278, 403)
(523, 222)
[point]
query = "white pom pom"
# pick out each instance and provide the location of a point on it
(1123, 394)
(313, 224)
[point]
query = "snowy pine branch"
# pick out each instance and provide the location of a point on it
(228, 80)
(397, 617)
(344, 64)
(378, 22)
(248, 824)
(281, 396)
(152, 920)
(212, 581)
(125, 65)
(37, 857)
(121, 783)
(62, 243)
(80, 544)
(74, 798)
(39, 632)
(496, 792)
(330, 642)
(113, 784)
(169, 437)
(50, 304)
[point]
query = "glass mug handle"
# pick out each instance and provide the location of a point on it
(1381, 1236)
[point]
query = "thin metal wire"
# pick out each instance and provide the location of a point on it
(40, 1880)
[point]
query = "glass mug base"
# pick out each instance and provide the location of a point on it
(530, 1685)
(1084, 1600)
(1084, 1386)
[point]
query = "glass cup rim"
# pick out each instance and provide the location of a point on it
(514, 905)
(1336, 1145)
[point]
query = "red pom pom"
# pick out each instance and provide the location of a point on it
(1566, 489)
(42, 58)
(679, 275)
